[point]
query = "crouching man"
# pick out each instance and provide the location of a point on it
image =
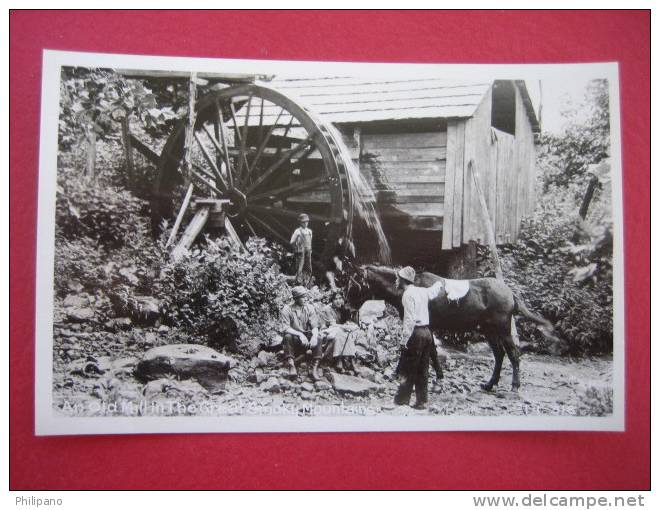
(300, 329)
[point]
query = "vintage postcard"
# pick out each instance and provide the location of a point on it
(253, 246)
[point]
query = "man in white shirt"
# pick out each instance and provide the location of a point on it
(416, 339)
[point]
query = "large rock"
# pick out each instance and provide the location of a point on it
(145, 309)
(186, 361)
(172, 388)
(80, 314)
(351, 384)
(372, 310)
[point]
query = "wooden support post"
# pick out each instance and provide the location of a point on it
(179, 217)
(233, 236)
(192, 231)
(588, 195)
(490, 238)
(190, 128)
(128, 151)
(90, 134)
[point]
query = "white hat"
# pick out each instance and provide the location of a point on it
(298, 291)
(407, 273)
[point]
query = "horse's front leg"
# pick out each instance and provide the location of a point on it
(498, 353)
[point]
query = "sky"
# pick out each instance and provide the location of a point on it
(553, 92)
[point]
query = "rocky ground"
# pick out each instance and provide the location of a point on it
(123, 370)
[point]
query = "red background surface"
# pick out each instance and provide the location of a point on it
(359, 460)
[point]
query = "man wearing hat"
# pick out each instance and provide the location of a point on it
(301, 240)
(300, 329)
(416, 339)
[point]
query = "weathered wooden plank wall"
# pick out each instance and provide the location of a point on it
(477, 150)
(409, 168)
(505, 166)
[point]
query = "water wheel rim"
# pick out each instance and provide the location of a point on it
(335, 224)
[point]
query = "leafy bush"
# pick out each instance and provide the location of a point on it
(210, 285)
(596, 401)
(570, 284)
(107, 215)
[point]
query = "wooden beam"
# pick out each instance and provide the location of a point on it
(179, 216)
(128, 151)
(233, 236)
(143, 149)
(490, 237)
(192, 231)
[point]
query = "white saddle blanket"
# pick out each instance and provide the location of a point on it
(456, 289)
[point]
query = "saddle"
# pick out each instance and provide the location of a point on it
(456, 289)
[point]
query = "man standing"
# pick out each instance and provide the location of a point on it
(416, 339)
(301, 240)
(300, 329)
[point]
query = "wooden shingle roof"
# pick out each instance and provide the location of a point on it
(349, 99)
(344, 99)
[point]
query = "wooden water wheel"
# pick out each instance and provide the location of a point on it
(270, 157)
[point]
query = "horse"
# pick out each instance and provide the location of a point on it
(487, 307)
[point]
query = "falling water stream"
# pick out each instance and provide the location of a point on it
(363, 198)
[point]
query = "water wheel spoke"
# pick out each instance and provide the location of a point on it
(243, 140)
(264, 142)
(237, 131)
(223, 140)
(287, 213)
(270, 229)
(286, 133)
(206, 183)
(203, 171)
(214, 141)
(287, 191)
(250, 227)
(291, 153)
(209, 160)
(261, 119)
(222, 155)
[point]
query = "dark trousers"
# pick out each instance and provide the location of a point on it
(414, 367)
(304, 268)
(293, 346)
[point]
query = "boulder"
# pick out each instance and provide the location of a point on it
(351, 384)
(120, 323)
(149, 338)
(145, 309)
(307, 386)
(186, 361)
(272, 385)
(322, 386)
(265, 358)
(76, 301)
(76, 314)
(372, 310)
(172, 388)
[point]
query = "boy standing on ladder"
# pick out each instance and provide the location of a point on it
(301, 240)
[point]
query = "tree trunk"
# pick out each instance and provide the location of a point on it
(90, 170)
(128, 152)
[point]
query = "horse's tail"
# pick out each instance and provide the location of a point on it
(544, 325)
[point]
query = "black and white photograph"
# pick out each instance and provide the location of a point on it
(252, 246)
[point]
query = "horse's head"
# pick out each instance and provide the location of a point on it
(371, 282)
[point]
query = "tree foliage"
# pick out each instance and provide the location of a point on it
(562, 263)
(97, 99)
(585, 140)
